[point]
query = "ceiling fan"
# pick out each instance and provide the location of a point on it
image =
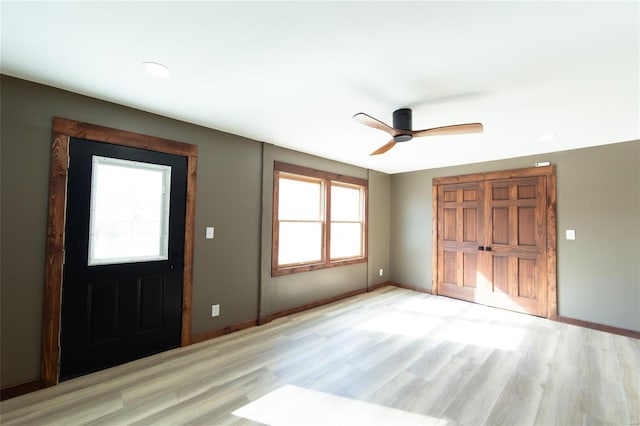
(401, 130)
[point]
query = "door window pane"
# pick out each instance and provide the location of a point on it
(129, 211)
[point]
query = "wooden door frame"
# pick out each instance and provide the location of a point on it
(63, 130)
(547, 171)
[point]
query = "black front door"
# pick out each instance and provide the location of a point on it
(124, 250)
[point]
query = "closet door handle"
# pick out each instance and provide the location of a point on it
(480, 248)
(488, 248)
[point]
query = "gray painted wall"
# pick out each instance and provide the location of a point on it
(598, 195)
(227, 269)
(379, 223)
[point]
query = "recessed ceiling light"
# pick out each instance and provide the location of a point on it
(548, 137)
(156, 69)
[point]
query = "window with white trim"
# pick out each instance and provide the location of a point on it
(129, 220)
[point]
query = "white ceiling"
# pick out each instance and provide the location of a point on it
(294, 73)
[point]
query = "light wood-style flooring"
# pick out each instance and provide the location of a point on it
(389, 357)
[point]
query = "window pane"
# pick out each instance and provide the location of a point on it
(129, 211)
(300, 242)
(299, 200)
(345, 203)
(346, 240)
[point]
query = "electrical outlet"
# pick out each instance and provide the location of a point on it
(381, 272)
(215, 310)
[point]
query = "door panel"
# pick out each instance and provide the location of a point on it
(500, 193)
(151, 299)
(103, 309)
(500, 225)
(518, 244)
(526, 226)
(526, 191)
(460, 228)
(470, 225)
(500, 274)
(450, 259)
(121, 308)
(450, 226)
(492, 242)
(527, 278)
(470, 262)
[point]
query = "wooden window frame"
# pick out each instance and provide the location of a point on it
(362, 222)
(326, 178)
(63, 130)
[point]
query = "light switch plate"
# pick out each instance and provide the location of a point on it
(210, 232)
(571, 234)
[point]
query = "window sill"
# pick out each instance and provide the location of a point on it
(277, 272)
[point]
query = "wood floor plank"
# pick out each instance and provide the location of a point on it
(449, 361)
(563, 401)
(397, 391)
(538, 354)
(520, 398)
(628, 353)
(80, 414)
(137, 410)
(433, 361)
(328, 381)
(608, 398)
(478, 396)
(518, 402)
(441, 390)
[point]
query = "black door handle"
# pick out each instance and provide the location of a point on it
(480, 248)
(488, 248)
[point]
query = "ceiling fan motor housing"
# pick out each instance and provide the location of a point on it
(402, 121)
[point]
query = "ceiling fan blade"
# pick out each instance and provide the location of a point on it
(367, 120)
(456, 129)
(384, 148)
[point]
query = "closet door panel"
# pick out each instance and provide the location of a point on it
(492, 240)
(459, 223)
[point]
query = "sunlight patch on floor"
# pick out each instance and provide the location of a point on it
(402, 323)
(293, 406)
(486, 313)
(489, 335)
(431, 306)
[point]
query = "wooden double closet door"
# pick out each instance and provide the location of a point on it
(496, 239)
